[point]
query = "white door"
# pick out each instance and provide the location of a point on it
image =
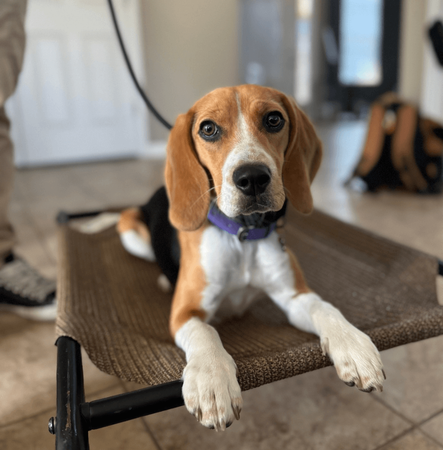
(75, 101)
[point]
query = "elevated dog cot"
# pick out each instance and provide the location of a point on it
(110, 304)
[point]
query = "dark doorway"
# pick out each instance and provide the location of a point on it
(364, 64)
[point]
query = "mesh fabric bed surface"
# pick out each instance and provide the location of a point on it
(110, 303)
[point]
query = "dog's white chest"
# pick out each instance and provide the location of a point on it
(230, 266)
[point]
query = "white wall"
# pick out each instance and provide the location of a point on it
(421, 77)
(413, 40)
(191, 48)
(432, 84)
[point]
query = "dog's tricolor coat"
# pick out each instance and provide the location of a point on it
(247, 148)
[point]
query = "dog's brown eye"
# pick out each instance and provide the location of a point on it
(209, 130)
(273, 121)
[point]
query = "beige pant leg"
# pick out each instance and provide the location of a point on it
(12, 47)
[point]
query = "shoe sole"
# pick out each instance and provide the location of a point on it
(46, 313)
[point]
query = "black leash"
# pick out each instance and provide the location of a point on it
(131, 71)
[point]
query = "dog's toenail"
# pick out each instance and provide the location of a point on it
(349, 383)
(369, 389)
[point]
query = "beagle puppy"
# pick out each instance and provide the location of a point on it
(233, 160)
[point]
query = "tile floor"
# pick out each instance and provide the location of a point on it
(312, 411)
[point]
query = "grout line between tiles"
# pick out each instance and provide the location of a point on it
(395, 438)
(23, 418)
(145, 423)
(36, 228)
(430, 417)
(151, 434)
(387, 405)
(97, 392)
(414, 426)
(418, 424)
(87, 192)
(404, 433)
(43, 240)
(431, 438)
(19, 185)
(35, 223)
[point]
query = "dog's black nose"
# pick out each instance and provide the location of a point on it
(252, 179)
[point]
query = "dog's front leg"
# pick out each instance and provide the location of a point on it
(210, 388)
(354, 355)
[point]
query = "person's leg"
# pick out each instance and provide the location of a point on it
(12, 47)
(6, 179)
(22, 289)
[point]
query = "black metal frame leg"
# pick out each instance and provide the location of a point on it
(71, 432)
(75, 417)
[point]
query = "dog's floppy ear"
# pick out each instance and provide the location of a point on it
(302, 158)
(186, 181)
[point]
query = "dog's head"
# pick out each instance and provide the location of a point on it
(248, 146)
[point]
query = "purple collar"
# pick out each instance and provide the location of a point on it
(246, 228)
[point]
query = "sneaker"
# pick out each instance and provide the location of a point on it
(25, 292)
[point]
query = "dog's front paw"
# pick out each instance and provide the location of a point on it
(355, 358)
(211, 391)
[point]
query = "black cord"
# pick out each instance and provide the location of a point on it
(436, 35)
(131, 71)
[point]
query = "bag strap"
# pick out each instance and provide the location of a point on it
(373, 147)
(402, 149)
(432, 136)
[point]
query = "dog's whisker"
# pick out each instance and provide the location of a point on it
(204, 193)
